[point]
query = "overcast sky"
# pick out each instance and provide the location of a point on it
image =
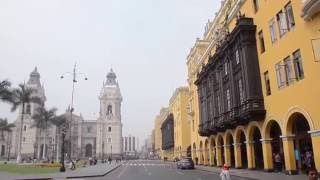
(145, 42)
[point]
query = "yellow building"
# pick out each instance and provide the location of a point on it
(270, 107)
(178, 107)
(157, 131)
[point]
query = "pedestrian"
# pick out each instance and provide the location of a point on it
(225, 174)
(278, 162)
(109, 160)
(73, 165)
(312, 174)
(309, 160)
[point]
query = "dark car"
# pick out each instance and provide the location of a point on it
(185, 163)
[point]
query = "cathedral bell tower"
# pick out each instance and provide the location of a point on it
(109, 126)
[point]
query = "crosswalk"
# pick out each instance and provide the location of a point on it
(147, 164)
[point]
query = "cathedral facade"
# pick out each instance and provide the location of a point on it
(101, 138)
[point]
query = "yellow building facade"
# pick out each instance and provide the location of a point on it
(288, 51)
(178, 105)
(157, 132)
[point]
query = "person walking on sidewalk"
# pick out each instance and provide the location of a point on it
(225, 174)
(278, 162)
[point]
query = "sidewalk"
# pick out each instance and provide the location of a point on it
(98, 170)
(251, 174)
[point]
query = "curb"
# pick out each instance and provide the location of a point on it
(230, 174)
(72, 177)
(97, 175)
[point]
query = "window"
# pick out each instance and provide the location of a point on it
(237, 57)
(255, 5)
(267, 82)
(288, 69)
(316, 49)
(25, 128)
(290, 17)
(261, 39)
(228, 100)
(282, 23)
(24, 139)
(272, 29)
(109, 129)
(297, 63)
(241, 93)
(226, 68)
(109, 110)
(89, 129)
(280, 76)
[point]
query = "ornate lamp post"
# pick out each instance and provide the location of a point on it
(74, 74)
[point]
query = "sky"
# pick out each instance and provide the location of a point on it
(145, 42)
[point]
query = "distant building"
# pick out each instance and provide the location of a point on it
(130, 146)
(85, 138)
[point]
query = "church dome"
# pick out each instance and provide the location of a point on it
(111, 78)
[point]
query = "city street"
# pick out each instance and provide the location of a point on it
(157, 170)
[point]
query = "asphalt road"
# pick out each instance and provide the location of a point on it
(157, 170)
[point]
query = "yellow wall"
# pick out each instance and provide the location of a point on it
(301, 96)
(157, 131)
(178, 105)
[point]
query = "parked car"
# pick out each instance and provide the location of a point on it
(185, 163)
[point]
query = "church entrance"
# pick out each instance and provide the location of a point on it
(88, 150)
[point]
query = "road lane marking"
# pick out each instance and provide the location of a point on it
(180, 172)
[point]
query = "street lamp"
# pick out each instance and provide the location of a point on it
(64, 131)
(74, 74)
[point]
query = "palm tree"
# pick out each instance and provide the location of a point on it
(22, 96)
(43, 119)
(5, 127)
(59, 121)
(5, 93)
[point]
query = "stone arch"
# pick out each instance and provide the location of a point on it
(220, 150)
(228, 136)
(194, 153)
(212, 153)
(206, 152)
(229, 148)
(288, 119)
(272, 133)
(201, 156)
(251, 127)
(240, 138)
(254, 137)
(237, 133)
(297, 126)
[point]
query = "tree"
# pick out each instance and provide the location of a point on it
(59, 121)
(22, 96)
(5, 94)
(43, 119)
(5, 127)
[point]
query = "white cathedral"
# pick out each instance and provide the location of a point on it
(99, 138)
